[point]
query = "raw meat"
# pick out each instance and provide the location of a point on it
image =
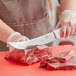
(66, 43)
(32, 56)
(68, 65)
(16, 55)
(38, 53)
(21, 57)
(43, 52)
(61, 58)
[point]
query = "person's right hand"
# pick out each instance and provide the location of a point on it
(67, 23)
(15, 37)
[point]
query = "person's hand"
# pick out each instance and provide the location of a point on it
(15, 37)
(67, 23)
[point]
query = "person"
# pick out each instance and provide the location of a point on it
(26, 19)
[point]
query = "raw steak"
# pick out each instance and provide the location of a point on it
(16, 55)
(63, 57)
(59, 58)
(21, 57)
(38, 53)
(43, 52)
(68, 65)
(32, 56)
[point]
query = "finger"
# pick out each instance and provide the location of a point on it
(68, 29)
(75, 29)
(65, 28)
(63, 32)
(72, 29)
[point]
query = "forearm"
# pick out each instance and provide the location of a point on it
(5, 31)
(68, 5)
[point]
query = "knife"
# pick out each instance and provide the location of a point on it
(44, 39)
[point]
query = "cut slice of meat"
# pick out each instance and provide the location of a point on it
(69, 65)
(32, 56)
(43, 52)
(38, 49)
(21, 57)
(62, 57)
(39, 53)
(59, 58)
(16, 55)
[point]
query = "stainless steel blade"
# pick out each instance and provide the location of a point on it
(37, 41)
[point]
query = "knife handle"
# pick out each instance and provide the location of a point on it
(57, 33)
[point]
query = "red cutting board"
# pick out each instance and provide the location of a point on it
(15, 69)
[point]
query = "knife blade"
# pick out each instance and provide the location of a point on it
(44, 39)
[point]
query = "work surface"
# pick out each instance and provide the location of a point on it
(15, 69)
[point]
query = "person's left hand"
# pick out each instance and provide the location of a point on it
(67, 23)
(15, 37)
